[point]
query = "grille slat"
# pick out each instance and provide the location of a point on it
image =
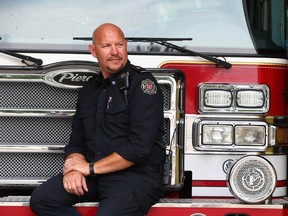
(30, 165)
(34, 131)
(43, 131)
(37, 95)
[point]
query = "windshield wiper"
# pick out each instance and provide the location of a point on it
(164, 42)
(25, 59)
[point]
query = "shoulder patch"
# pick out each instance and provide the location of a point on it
(149, 87)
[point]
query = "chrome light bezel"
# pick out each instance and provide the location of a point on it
(201, 144)
(235, 91)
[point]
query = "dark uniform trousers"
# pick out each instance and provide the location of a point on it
(115, 198)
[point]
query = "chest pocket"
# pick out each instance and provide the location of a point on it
(117, 110)
(116, 104)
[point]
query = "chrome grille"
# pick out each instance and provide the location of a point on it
(23, 125)
(166, 90)
(29, 165)
(34, 130)
(38, 95)
(166, 137)
(43, 131)
(35, 95)
(40, 165)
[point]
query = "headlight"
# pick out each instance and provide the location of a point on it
(228, 135)
(250, 135)
(217, 134)
(223, 98)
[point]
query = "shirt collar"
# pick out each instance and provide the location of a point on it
(114, 78)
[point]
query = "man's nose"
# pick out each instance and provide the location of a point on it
(114, 50)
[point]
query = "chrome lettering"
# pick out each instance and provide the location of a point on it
(74, 77)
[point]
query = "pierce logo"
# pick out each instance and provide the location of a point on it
(73, 78)
(68, 79)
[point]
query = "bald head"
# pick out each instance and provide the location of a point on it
(105, 30)
(110, 48)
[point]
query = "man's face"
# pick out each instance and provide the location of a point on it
(110, 48)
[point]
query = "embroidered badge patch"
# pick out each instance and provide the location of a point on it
(149, 87)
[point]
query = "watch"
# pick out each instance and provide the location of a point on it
(91, 170)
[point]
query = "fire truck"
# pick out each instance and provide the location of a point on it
(222, 68)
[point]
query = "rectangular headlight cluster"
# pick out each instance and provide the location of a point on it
(228, 135)
(228, 98)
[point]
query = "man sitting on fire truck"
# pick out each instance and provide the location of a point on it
(113, 156)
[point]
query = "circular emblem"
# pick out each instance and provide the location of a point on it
(226, 165)
(252, 179)
(149, 87)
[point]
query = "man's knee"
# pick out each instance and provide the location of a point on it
(45, 196)
(43, 203)
(35, 202)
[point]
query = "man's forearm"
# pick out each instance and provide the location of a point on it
(111, 163)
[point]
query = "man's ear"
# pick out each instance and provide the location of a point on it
(92, 50)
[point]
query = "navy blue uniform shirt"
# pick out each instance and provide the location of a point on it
(105, 123)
